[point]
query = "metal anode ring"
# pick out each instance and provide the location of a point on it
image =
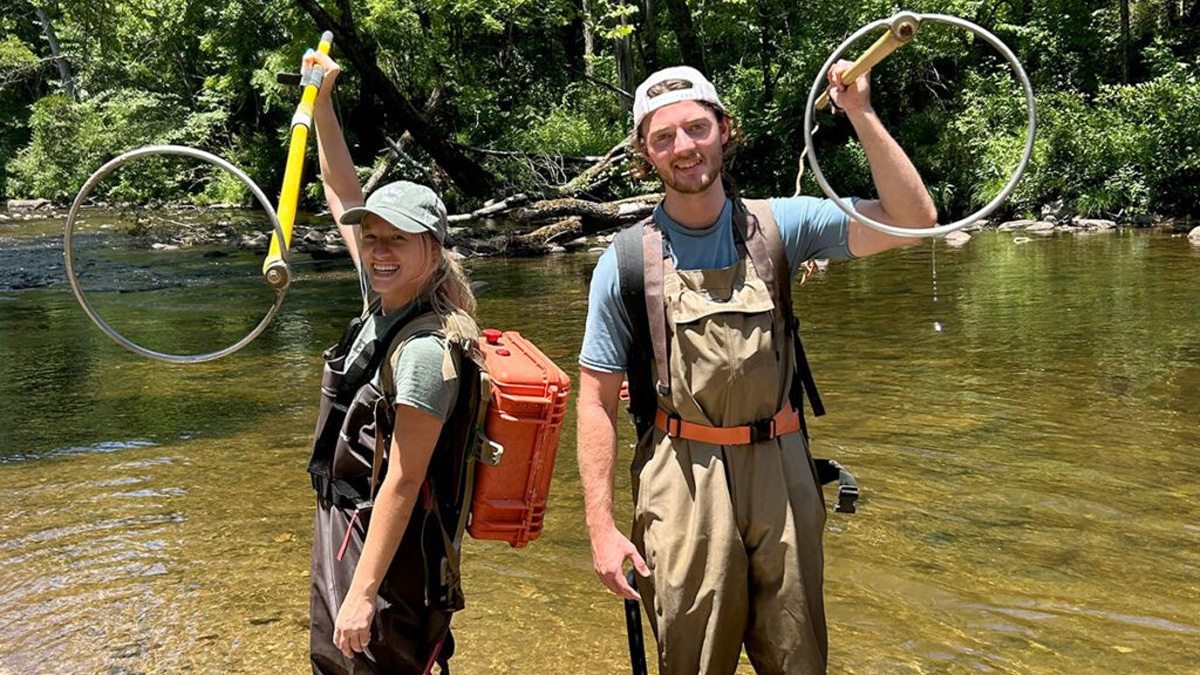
(819, 84)
(68, 248)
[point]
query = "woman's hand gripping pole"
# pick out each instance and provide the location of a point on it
(275, 268)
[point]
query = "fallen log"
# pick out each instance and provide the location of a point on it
(490, 210)
(595, 216)
(540, 240)
(594, 174)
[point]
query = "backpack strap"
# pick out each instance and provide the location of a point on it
(466, 362)
(631, 282)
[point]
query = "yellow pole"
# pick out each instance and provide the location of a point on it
(276, 271)
(900, 32)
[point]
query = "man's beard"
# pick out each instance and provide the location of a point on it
(710, 176)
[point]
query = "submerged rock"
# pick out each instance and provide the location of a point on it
(29, 204)
(957, 238)
(1094, 224)
(1015, 225)
(1194, 236)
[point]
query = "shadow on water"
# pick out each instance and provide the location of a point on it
(1030, 473)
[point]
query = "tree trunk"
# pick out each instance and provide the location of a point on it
(766, 51)
(469, 176)
(623, 50)
(685, 33)
(64, 68)
(648, 36)
(1124, 41)
(595, 217)
(589, 39)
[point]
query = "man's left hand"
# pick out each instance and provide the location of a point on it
(850, 97)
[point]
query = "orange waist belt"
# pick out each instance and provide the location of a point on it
(786, 421)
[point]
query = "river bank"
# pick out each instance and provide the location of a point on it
(230, 227)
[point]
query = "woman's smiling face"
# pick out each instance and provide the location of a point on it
(397, 262)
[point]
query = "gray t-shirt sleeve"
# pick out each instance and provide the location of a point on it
(422, 379)
(607, 334)
(812, 227)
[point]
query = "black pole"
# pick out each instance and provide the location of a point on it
(633, 626)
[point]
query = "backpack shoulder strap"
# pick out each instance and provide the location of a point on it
(632, 283)
(425, 322)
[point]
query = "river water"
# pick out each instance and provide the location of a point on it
(1027, 443)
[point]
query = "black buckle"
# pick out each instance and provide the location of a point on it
(762, 430)
(847, 495)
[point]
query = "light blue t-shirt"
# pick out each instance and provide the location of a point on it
(810, 227)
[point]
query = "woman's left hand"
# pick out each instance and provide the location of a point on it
(352, 631)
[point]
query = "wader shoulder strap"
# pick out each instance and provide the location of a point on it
(631, 280)
(769, 244)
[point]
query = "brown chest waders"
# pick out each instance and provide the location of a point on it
(421, 589)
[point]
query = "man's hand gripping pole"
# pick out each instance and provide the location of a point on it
(900, 32)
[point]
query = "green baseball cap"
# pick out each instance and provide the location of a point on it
(405, 206)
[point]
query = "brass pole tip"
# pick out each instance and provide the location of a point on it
(279, 276)
(904, 26)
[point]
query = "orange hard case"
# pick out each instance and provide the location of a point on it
(525, 416)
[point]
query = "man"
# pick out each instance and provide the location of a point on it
(728, 515)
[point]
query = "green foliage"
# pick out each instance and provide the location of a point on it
(15, 54)
(509, 75)
(583, 122)
(17, 63)
(1125, 150)
(71, 139)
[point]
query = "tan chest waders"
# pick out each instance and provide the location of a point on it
(728, 511)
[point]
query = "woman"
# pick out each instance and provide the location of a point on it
(382, 597)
